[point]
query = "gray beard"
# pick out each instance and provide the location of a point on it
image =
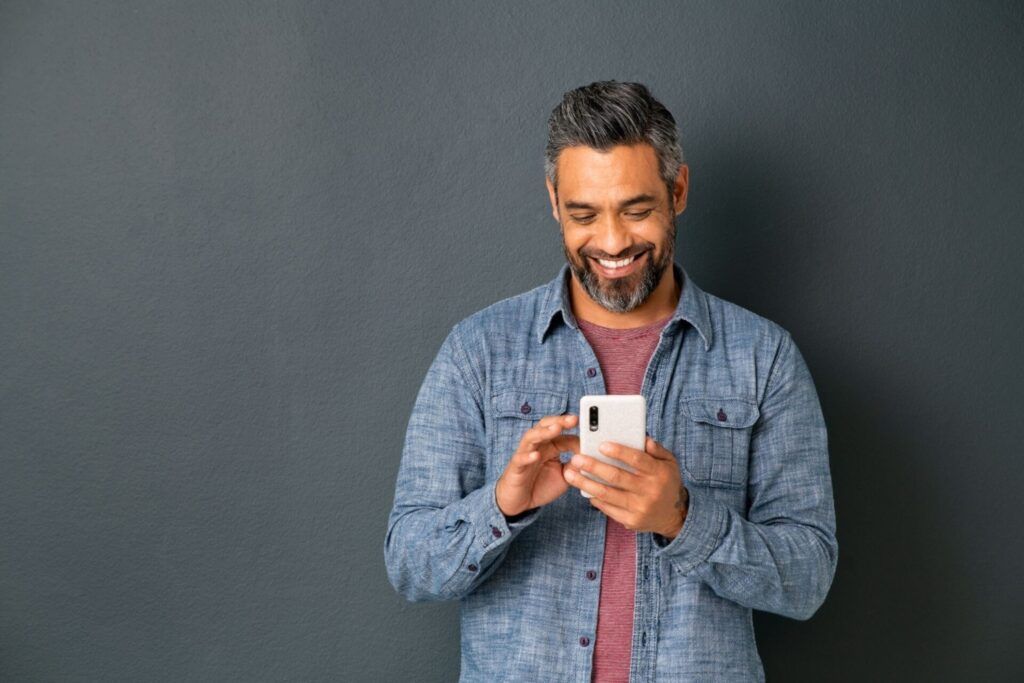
(619, 297)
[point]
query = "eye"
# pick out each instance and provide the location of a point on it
(640, 214)
(583, 219)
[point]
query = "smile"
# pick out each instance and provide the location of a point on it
(618, 268)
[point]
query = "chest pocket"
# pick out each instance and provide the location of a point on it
(515, 410)
(714, 433)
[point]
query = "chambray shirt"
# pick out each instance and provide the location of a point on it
(728, 393)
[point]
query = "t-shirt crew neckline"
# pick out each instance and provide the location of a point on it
(624, 332)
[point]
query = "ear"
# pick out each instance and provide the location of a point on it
(682, 187)
(552, 198)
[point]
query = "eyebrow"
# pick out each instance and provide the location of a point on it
(629, 202)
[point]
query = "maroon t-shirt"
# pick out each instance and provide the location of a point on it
(623, 355)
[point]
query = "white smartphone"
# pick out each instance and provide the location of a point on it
(621, 418)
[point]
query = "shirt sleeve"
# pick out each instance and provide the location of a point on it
(780, 557)
(446, 533)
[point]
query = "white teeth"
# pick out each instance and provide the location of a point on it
(616, 264)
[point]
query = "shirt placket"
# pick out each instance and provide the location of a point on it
(646, 603)
(593, 383)
(648, 596)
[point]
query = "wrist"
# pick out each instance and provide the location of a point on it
(504, 509)
(681, 509)
(518, 516)
(677, 525)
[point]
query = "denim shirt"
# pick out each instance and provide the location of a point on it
(728, 393)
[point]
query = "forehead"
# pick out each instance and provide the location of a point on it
(589, 175)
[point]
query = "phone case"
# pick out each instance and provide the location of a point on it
(622, 418)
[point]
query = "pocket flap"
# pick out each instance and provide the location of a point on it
(528, 404)
(737, 413)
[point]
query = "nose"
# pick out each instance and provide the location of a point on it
(612, 238)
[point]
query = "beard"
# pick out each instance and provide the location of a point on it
(623, 294)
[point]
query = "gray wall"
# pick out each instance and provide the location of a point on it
(234, 235)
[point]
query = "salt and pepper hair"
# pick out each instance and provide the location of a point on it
(608, 113)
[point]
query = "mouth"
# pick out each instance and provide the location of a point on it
(620, 268)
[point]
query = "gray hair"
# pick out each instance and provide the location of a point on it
(608, 113)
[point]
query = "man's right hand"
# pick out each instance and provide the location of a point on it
(533, 476)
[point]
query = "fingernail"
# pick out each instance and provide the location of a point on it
(605, 447)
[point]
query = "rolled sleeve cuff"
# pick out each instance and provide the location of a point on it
(489, 525)
(702, 532)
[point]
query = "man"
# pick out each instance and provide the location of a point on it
(730, 509)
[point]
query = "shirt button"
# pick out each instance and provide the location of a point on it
(591, 574)
(472, 567)
(496, 531)
(525, 408)
(584, 641)
(591, 372)
(722, 417)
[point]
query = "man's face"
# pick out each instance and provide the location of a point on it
(614, 206)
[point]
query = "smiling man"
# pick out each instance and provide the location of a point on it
(729, 507)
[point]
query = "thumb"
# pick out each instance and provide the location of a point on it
(656, 450)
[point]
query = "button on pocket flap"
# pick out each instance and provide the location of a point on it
(737, 413)
(528, 404)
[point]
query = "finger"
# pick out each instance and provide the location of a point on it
(534, 437)
(616, 476)
(566, 419)
(637, 459)
(549, 424)
(566, 443)
(547, 451)
(613, 511)
(524, 461)
(554, 447)
(539, 437)
(598, 490)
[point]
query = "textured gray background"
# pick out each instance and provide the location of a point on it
(234, 235)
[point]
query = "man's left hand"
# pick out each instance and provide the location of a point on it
(652, 499)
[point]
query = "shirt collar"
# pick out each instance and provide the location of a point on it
(692, 306)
